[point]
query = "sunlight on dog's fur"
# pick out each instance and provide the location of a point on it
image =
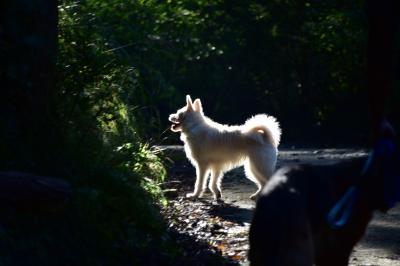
(214, 148)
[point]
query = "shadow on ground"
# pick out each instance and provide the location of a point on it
(232, 213)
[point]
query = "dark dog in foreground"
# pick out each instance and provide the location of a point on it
(290, 225)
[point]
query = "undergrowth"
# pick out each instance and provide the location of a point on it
(113, 215)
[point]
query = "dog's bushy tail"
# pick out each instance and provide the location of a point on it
(268, 126)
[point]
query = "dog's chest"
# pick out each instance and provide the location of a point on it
(192, 147)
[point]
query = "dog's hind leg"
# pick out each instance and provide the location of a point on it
(201, 178)
(215, 183)
(259, 167)
(260, 184)
(252, 175)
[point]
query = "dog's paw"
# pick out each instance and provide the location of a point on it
(254, 197)
(218, 201)
(217, 196)
(192, 196)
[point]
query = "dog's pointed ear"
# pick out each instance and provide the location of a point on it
(197, 106)
(189, 103)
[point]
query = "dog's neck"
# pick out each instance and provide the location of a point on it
(191, 128)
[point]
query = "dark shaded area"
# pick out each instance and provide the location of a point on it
(382, 28)
(317, 214)
(63, 114)
(26, 192)
(28, 47)
(232, 213)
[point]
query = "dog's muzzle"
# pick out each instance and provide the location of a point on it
(176, 124)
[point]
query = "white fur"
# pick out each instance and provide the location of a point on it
(214, 148)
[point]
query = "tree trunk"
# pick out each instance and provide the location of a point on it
(28, 47)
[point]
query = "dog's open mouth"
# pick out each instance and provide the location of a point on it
(176, 124)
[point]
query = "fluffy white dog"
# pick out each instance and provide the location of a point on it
(214, 148)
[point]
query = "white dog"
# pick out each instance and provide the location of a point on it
(214, 148)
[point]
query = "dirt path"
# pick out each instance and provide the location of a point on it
(224, 227)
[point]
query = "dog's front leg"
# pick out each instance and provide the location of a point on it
(200, 181)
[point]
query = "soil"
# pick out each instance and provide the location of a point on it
(220, 229)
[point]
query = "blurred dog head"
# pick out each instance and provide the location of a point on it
(188, 116)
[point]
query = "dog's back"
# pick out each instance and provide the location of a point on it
(289, 225)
